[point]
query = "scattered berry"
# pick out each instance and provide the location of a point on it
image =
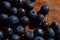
(38, 38)
(24, 20)
(44, 10)
(49, 33)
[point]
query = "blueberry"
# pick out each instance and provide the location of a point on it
(13, 10)
(3, 19)
(38, 32)
(29, 35)
(21, 12)
(17, 3)
(28, 5)
(49, 39)
(32, 14)
(6, 5)
(57, 34)
(20, 3)
(54, 25)
(1, 35)
(44, 10)
(24, 20)
(44, 25)
(39, 18)
(8, 31)
(13, 19)
(38, 38)
(15, 37)
(4, 16)
(20, 29)
(49, 33)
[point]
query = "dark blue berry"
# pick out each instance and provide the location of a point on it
(8, 31)
(6, 5)
(38, 38)
(21, 12)
(49, 33)
(1, 35)
(44, 25)
(44, 10)
(54, 25)
(39, 18)
(32, 14)
(20, 29)
(20, 3)
(15, 37)
(38, 32)
(13, 19)
(29, 35)
(28, 5)
(4, 16)
(57, 34)
(49, 39)
(13, 11)
(24, 20)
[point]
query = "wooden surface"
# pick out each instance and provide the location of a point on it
(54, 5)
(54, 13)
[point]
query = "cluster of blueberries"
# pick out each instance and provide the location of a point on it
(15, 15)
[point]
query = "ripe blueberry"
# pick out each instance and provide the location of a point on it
(32, 14)
(13, 10)
(1, 35)
(44, 10)
(8, 31)
(4, 16)
(44, 25)
(24, 20)
(20, 30)
(21, 12)
(38, 38)
(57, 34)
(13, 19)
(28, 5)
(49, 33)
(49, 39)
(54, 25)
(29, 35)
(39, 18)
(38, 32)
(15, 37)
(6, 5)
